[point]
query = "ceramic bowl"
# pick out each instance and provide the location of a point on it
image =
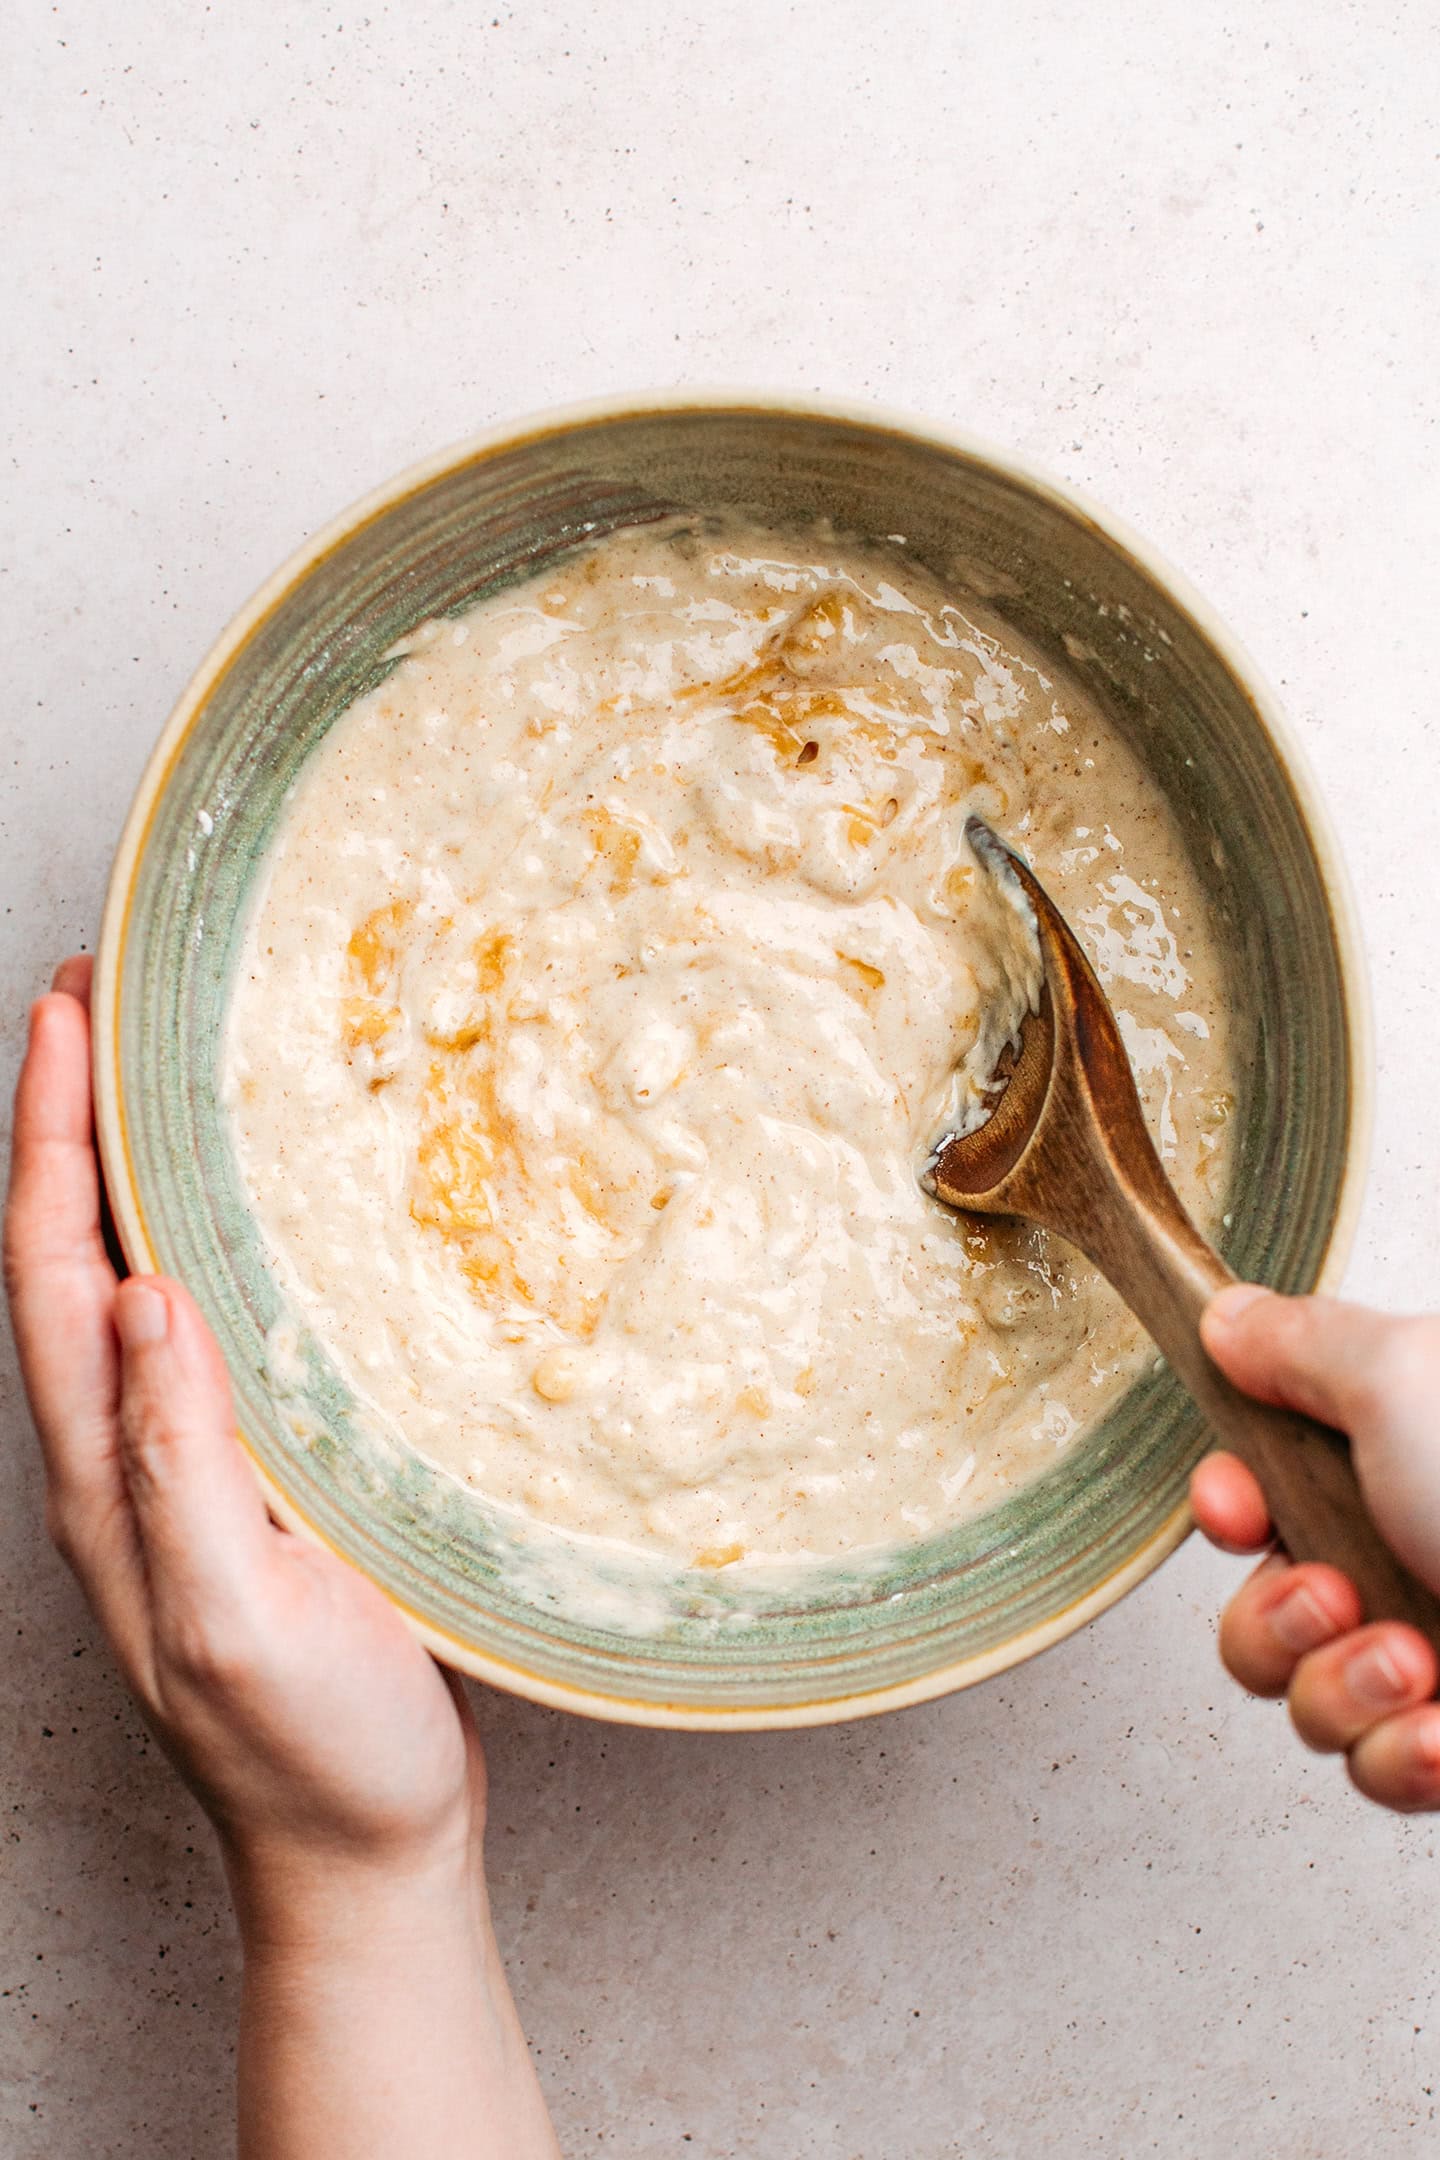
(848, 1638)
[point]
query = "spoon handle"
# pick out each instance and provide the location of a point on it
(1167, 1274)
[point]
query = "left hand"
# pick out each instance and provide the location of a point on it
(339, 1764)
(311, 1724)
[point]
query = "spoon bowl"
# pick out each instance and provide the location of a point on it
(1066, 1146)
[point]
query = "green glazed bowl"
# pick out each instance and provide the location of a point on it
(656, 1646)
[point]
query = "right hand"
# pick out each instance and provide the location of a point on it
(1359, 1690)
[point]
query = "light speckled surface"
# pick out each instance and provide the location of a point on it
(1180, 254)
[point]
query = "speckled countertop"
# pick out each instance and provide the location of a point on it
(1182, 253)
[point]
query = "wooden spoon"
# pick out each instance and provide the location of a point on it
(1066, 1146)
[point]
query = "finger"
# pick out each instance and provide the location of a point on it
(201, 1518)
(469, 1724)
(74, 976)
(1229, 1505)
(1280, 1615)
(1313, 1354)
(1374, 1375)
(1341, 1691)
(61, 1285)
(62, 1291)
(1397, 1762)
(54, 1183)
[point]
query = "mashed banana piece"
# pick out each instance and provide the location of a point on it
(616, 965)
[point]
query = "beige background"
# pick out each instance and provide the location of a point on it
(1184, 254)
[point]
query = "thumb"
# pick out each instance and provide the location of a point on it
(198, 1507)
(1312, 1354)
(1375, 1376)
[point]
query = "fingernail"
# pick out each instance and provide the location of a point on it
(141, 1315)
(1423, 1741)
(1300, 1622)
(1373, 1678)
(1236, 1299)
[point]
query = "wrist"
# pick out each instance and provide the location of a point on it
(311, 1904)
(375, 2012)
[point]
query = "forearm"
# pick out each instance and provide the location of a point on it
(377, 2024)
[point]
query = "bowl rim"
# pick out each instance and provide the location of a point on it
(110, 1113)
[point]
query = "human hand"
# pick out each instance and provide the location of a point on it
(1360, 1690)
(339, 1764)
(318, 1734)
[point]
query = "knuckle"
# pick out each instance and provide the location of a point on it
(204, 1639)
(1299, 1337)
(59, 1528)
(1289, 1321)
(206, 1654)
(12, 1264)
(144, 1432)
(134, 1418)
(1382, 1369)
(1403, 1372)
